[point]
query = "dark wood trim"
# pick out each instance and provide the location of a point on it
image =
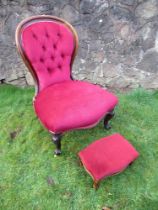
(57, 141)
(107, 118)
(21, 51)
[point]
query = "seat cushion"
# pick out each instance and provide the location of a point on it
(107, 156)
(72, 105)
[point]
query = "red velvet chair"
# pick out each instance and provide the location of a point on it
(48, 46)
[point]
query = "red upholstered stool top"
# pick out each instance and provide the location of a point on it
(107, 156)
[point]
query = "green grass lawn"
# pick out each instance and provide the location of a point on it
(32, 178)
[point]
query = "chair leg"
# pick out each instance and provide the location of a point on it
(57, 141)
(107, 118)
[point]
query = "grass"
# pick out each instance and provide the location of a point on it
(32, 178)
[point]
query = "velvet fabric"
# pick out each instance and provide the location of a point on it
(61, 104)
(107, 156)
(72, 105)
(49, 47)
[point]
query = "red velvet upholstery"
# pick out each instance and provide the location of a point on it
(49, 47)
(72, 105)
(61, 104)
(107, 156)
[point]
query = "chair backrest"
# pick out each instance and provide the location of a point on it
(48, 46)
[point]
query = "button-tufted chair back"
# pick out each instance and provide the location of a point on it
(48, 46)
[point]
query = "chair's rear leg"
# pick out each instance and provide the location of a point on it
(107, 118)
(57, 141)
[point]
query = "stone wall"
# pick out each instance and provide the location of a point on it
(118, 40)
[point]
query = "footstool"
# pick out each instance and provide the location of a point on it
(107, 156)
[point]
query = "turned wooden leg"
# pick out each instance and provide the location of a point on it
(107, 119)
(57, 141)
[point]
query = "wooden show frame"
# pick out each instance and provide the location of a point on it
(18, 39)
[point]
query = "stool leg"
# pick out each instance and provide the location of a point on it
(107, 118)
(96, 184)
(80, 163)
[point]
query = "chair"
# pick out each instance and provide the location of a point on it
(48, 46)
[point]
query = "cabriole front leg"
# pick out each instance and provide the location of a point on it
(57, 141)
(107, 118)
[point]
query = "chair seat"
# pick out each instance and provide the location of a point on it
(73, 105)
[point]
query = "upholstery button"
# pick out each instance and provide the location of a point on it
(47, 35)
(58, 34)
(49, 69)
(59, 66)
(62, 55)
(43, 47)
(34, 36)
(54, 45)
(41, 60)
(52, 57)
